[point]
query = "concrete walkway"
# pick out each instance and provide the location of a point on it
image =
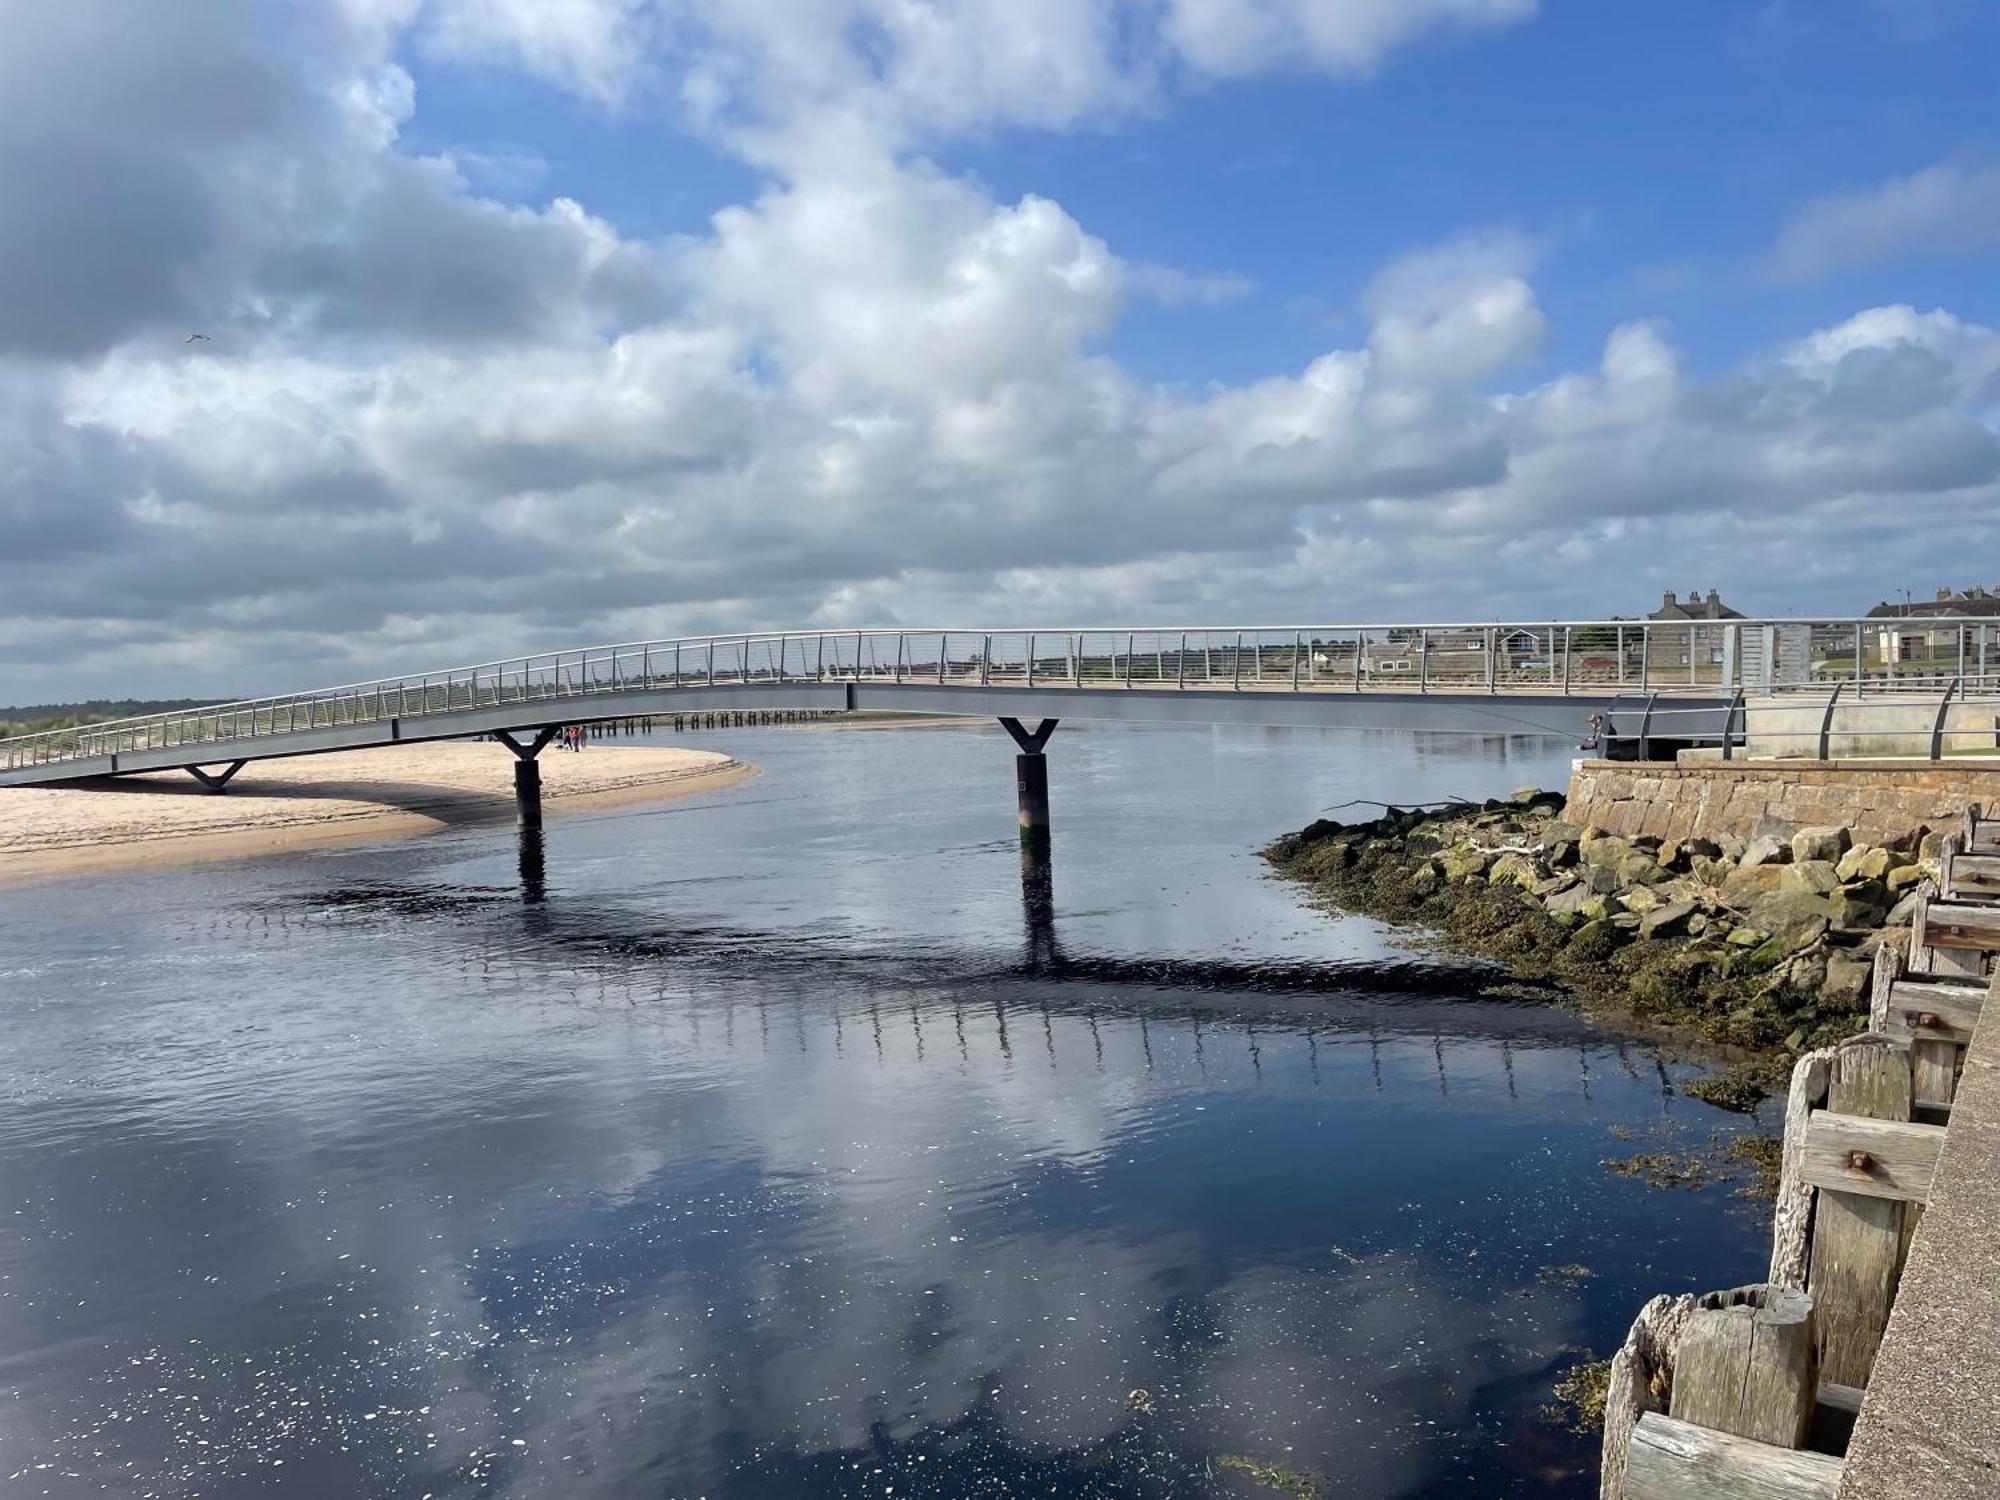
(1930, 1426)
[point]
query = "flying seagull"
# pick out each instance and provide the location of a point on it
(193, 336)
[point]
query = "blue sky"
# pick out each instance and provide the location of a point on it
(534, 323)
(1654, 151)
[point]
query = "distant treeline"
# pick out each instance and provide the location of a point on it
(33, 718)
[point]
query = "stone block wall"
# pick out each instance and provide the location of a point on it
(1893, 803)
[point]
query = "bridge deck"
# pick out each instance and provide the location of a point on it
(253, 736)
(1539, 677)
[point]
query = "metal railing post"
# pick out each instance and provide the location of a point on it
(1826, 721)
(1236, 663)
(1568, 651)
(985, 660)
(1937, 724)
(1298, 640)
(1423, 659)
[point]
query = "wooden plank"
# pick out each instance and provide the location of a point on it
(1933, 1071)
(1901, 1157)
(1982, 834)
(1749, 1367)
(1672, 1460)
(1881, 990)
(1973, 877)
(1932, 1010)
(1857, 1237)
(1953, 926)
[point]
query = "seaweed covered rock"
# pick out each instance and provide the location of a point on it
(1763, 946)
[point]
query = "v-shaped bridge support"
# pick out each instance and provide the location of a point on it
(528, 772)
(216, 781)
(1031, 779)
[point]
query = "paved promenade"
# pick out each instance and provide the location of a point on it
(1930, 1427)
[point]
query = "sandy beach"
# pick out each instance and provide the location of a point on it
(286, 804)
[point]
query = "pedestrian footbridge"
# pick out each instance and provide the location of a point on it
(1672, 682)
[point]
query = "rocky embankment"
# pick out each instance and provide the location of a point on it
(1767, 947)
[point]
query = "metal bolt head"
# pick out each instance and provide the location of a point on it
(1860, 1161)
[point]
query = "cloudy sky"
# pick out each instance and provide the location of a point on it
(534, 323)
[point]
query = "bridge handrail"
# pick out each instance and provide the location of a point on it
(1713, 657)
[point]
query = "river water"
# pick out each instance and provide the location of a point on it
(770, 1144)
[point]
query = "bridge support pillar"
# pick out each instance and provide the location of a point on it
(527, 774)
(1031, 779)
(216, 781)
(528, 792)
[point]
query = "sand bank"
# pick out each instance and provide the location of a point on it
(170, 818)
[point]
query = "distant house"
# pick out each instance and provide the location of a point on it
(1919, 640)
(1696, 608)
(1677, 648)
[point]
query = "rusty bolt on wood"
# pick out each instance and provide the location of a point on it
(1860, 1161)
(1926, 1020)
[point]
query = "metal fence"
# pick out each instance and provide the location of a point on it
(1652, 659)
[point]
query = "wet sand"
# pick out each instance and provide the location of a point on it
(170, 818)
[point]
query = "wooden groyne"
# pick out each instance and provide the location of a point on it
(1867, 1365)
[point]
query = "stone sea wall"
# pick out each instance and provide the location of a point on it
(1893, 804)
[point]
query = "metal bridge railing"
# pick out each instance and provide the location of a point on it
(1652, 659)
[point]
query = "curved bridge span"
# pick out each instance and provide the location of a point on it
(1534, 678)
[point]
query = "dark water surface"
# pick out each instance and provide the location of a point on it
(779, 1149)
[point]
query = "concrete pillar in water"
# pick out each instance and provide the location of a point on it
(528, 792)
(1031, 779)
(528, 773)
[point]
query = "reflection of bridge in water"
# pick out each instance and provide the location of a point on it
(1039, 1001)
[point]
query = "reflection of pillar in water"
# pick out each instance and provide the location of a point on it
(533, 887)
(1038, 906)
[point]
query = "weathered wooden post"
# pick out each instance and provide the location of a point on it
(1747, 1365)
(1857, 1238)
